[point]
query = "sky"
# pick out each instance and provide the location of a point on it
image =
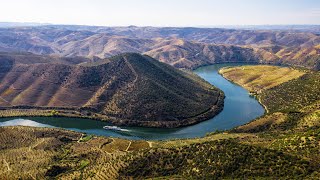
(162, 12)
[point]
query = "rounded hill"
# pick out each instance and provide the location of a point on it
(128, 89)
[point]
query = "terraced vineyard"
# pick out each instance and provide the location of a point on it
(27, 153)
(45, 152)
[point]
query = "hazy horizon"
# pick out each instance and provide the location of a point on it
(13, 23)
(178, 13)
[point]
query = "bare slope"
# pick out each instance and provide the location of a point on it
(180, 47)
(130, 89)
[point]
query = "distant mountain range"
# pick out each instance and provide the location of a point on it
(83, 68)
(180, 47)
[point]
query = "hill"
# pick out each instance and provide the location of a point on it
(184, 54)
(29, 58)
(292, 99)
(128, 89)
(283, 144)
(289, 130)
(259, 78)
(180, 47)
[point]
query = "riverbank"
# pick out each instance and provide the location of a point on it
(259, 78)
(56, 153)
(253, 94)
(234, 113)
(279, 145)
(85, 114)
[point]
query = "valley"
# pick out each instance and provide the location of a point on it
(193, 123)
(234, 113)
(281, 144)
(160, 90)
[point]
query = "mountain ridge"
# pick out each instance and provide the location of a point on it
(181, 45)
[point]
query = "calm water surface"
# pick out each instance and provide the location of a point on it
(239, 108)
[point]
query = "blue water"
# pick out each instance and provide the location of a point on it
(239, 108)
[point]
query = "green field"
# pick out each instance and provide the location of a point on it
(262, 77)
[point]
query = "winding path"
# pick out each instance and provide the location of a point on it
(133, 71)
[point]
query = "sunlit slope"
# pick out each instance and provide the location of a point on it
(258, 78)
(180, 47)
(130, 87)
(292, 101)
(69, 155)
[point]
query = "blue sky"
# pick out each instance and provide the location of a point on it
(162, 12)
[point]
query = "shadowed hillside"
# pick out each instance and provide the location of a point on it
(128, 89)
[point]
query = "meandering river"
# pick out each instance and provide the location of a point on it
(239, 108)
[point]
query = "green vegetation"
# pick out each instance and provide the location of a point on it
(21, 113)
(225, 155)
(85, 138)
(291, 104)
(292, 124)
(262, 77)
(294, 95)
(216, 159)
(54, 113)
(283, 144)
(83, 164)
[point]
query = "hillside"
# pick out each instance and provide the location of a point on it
(259, 78)
(29, 58)
(304, 91)
(70, 155)
(128, 89)
(184, 54)
(292, 100)
(180, 47)
(255, 149)
(280, 145)
(220, 35)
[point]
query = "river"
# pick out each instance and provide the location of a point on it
(239, 108)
